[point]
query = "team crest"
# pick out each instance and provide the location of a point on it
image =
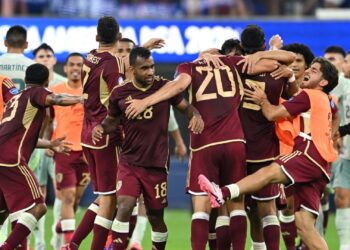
(119, 185)
(59, 177)
(128, 98)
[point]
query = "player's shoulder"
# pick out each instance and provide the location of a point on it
(122, 86)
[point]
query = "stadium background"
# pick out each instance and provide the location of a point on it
(188, 27)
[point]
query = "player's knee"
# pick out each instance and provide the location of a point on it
(39, 210)
(68, 198)
(156, 218)
(126, 204)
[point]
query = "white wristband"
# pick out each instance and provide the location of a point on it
(291, 79)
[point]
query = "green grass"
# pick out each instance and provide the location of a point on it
(178, 222)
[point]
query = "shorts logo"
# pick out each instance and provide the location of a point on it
(59, 177)
(119, 185)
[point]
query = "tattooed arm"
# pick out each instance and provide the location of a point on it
(63, 100)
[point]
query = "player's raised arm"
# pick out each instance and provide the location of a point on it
(196, 124)
(271, 112)
(63, 100)
(172, 88)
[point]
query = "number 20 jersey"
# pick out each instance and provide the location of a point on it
(216, 93)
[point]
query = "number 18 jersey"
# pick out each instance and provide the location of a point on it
(216, 93)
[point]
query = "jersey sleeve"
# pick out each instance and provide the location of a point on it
(39, 96)
(232, 62)
(113, 106)
(298, 104)
(114, 73)
(8, 89)
(184, 68)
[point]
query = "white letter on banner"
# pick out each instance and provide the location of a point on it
(49, 37)
(34, 39)
(129, 32)
(192, 34)
(174, 42)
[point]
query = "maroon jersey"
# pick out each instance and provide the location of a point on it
(262, 142)
(146, 137)
(101, 73)
(8, 89)
(20, 126)
(216, 93)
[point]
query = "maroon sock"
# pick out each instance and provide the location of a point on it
(158, 245)
(226, 194)
(99, 237)
(84, 228)
(132, 224)
(199, 232)
(17, 237)
(120, 240)
(24, 244)
(223, 237)
(238, 229)
(59, 227)
(289, 233)
(272, 237)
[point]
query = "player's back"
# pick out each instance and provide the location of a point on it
(101, 73)
(216, 93)
(20, 126)
(262, 142)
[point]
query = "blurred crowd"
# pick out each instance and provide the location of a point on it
(166, 8)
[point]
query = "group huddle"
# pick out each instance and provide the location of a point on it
(264, 130)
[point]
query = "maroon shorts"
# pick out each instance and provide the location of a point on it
(307, 178)
(20, 188)
(103, 168)
(223, 164)
(71, 170)
(270, 191)
(151, 182)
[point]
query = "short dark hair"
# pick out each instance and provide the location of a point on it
(335, 49)
(16, 36)
(73, 54)
(127, 40)
(253, 39)
(43, 46)
(108, 29)
(329, 73)
(231, 44)
(36, 74)
(301, 49)
(138, 52)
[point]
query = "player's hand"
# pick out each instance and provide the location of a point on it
(180, 151)
(196, 124)
(97, 133)
(49, 152)
(256, 95)
(154, 43)
(282, 71)
(135, 107)
(213, 59)
(249, 62)
(59, 145)
(275, 42)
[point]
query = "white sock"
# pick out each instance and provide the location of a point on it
(120, 227)
(139, 230)
(68, 225)
(39, 231)
(234, 190)
(103, 222)
(4, 231)
(342, 224)
(258, 246)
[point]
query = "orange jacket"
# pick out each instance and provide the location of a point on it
(320, 126)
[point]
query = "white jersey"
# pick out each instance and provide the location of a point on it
(342, 91)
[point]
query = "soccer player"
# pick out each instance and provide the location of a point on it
(262, 145)
(71, 171)
(341, 168)
(307, 168)
(346, 65)
(102, 71)
(304, 57)
(40, 163)
(44, 54)
(14, 63)
(19, 133)
(219, 152)
(144, 156)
